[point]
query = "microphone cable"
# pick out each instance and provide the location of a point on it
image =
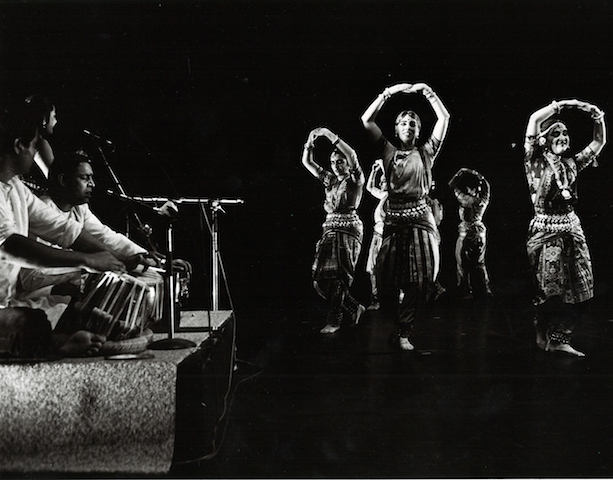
(231, 387)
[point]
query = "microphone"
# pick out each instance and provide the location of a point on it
(89, 134)
(168, 209)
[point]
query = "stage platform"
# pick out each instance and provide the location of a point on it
(106, 415)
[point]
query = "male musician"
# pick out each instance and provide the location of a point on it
(71, 182)
(37, 177)
(25, 331)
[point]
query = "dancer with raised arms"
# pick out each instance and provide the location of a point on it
(409, 257)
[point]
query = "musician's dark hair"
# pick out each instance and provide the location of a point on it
(17, 121)
(66, 163)
(41, 105)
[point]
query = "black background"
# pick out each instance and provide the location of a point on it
(215, 99)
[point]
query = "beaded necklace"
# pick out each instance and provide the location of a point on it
(559, 172)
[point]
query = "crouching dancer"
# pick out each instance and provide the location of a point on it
(338, 249)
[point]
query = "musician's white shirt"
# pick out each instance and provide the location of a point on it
(21, 212)
(119, 244)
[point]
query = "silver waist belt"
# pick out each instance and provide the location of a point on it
(407, 211)
(563, 222)
(341, 220)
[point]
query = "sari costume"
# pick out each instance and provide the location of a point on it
(471, 272)
(556, 245)
(409, 257)
(338, 249)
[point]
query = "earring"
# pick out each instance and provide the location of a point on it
(542, 141)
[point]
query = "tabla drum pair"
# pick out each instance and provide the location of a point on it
(121, 305)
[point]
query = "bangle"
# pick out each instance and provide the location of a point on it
(428, 93)
(335, 140)
(598, 116)
(556, 107)
(386, 94)
(308, 146)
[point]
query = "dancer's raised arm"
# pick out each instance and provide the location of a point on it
(307, 154)
(349, 153)
(373, 185)
(370, 115)
(555, 107)
(600, 129)
(442, 114)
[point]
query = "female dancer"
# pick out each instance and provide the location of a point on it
(338, 249)
(556, 245)
(375, 185)
(409, 257)
(472, 191)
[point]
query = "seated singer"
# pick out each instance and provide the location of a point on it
(26, 332)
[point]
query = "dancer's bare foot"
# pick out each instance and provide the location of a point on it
(374, 306)
(564, 348)
(405, 344)
(359, 312)
(330, 328)
(82, 343)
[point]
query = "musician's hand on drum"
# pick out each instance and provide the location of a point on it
(181, 265)
(149, 259)
(157, 257)
(104, 261)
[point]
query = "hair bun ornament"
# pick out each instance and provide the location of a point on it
(542, 141)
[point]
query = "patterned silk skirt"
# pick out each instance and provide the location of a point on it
(410, 249)
(337, 251)
(560, 258)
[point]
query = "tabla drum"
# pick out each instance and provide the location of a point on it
(121, 305)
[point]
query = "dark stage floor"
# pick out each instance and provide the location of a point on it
(476, 398)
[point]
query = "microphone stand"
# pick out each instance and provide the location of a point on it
(216, 206)
(144, 229)
(171, 343)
